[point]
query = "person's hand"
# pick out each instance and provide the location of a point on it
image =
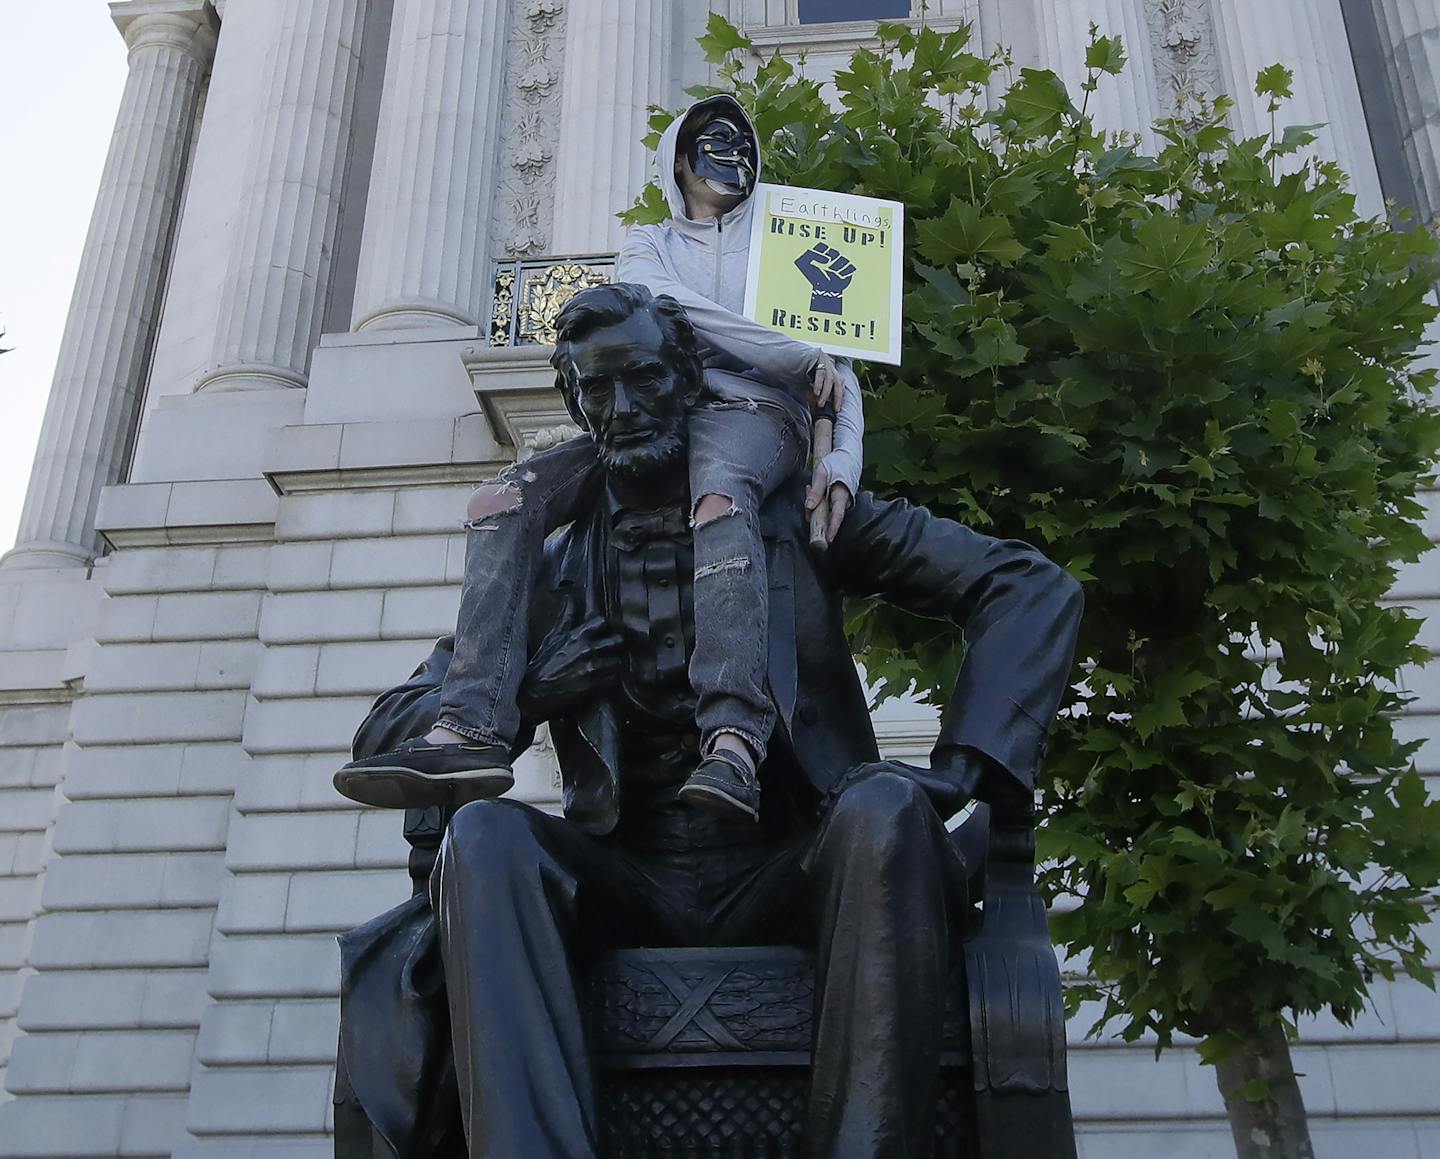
(826, 385)
(839, 499)
(569, 668)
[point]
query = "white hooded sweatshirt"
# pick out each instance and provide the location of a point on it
(703, 265)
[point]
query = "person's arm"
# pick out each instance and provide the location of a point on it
(788, 361)
(844, 463)
(1020, 615)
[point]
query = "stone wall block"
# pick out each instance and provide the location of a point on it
(312, 617)
(263, 1100)
(418, 613)
(159, 716)
(296, 965)
(126, 938)
(162, 825)
(319, 725)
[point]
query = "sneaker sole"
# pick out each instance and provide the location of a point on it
(396, 787)
(718, 801)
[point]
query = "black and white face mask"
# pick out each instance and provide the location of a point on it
(722, 153)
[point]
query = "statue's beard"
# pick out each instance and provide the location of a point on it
(666, 449)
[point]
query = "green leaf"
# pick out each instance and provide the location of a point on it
(721, 39)
(966, 232)
(1276, 82)
(1037, 104)
(1106, 54)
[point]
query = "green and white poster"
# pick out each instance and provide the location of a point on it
(825, 268)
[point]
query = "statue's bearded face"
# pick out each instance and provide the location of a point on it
(631, 395)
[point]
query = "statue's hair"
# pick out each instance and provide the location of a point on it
(609, 305)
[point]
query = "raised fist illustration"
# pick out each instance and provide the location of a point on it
(829, 272)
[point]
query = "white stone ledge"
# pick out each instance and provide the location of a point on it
(33, 725)
(201, 512)
(70, 1127)
(102, 1062)
(293, 1032)
(105, 772)
(291, 784)
(358, 668)
(171, 880)
(27, 810)
(191, 666)
(269, 1100)
(93, 999)
(147, 570)
(35, 672)
(309, 902)
(30, 768)
(248, 1146)
(180, 616)
(285, 966)
(318, 617)
(156, 825)
(158, 717)
(344, 456)
(317, 725)
(133, 939)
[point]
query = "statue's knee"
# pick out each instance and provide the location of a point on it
(491, 833)
(885, 804)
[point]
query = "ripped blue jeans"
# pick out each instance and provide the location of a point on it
(745, 441)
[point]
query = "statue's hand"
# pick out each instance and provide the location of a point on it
(569, 668)
(946, 795)
(829, 273)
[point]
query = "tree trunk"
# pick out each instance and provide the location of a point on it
(1273, 1127)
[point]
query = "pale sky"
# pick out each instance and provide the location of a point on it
(62, 68)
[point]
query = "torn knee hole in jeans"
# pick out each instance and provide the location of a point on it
(738, 563)
(710, 508)
(491, 500)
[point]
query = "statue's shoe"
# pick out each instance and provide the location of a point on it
(725, 785)
(419, 774)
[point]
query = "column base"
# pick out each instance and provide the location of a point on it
(45, 554)
(225, 379)
(413, 316)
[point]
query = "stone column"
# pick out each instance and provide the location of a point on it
(617, 62)
(1410, 35)
(1127, 101)
(1308, 37)
(292, 184)
(99, 375)
(424, 255)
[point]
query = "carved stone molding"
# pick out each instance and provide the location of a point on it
(525, 179)
(1187, 65)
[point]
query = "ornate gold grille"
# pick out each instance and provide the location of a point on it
(529, 294)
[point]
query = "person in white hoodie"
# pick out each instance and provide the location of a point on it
(747, 435)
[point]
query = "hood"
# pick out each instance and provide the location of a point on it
(665, 154)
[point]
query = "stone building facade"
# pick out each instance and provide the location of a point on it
(309, 316)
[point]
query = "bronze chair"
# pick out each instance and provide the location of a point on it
(704, 1053)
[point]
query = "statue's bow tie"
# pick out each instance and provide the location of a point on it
(630, 529)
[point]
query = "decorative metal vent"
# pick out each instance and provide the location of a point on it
(529, 293)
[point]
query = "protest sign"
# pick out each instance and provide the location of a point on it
(825, 268)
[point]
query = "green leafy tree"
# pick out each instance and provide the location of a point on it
(1192, 379)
